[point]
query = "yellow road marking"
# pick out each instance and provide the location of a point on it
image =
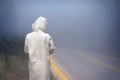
(57, 71)
(101, 63)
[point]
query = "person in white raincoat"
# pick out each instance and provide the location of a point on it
(39, 45)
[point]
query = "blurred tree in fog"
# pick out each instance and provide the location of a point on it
(11, 46)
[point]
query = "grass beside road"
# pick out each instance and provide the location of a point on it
(13, 68)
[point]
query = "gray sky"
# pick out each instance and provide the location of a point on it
(87, 24)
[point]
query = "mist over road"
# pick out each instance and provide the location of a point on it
(83, 65)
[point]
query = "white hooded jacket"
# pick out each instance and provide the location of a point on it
(39, 45)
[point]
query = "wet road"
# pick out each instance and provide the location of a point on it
(81, 65)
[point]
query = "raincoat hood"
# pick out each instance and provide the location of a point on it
(39, 24)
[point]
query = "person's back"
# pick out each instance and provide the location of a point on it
(38, 45)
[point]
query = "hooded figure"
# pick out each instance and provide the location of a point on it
(39, 45)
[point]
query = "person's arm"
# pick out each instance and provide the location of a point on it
(51, 46)
(26, 45)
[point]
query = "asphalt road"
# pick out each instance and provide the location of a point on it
(83, 65)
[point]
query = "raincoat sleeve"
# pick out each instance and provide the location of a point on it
(51, 45)
(26, 45)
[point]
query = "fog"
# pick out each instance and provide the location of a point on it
(77, 24)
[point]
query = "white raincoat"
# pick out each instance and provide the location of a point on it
(39, 45)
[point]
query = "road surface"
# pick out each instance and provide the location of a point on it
(81, 65)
